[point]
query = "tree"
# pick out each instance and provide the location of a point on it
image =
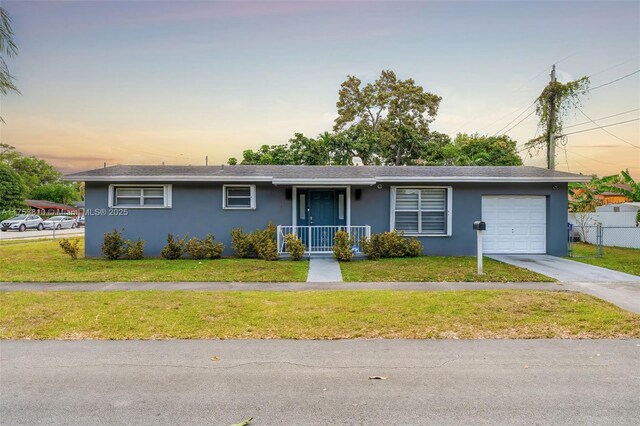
(8, 49)
(584, 196)
(12, 190)
(479, 150)
(633, 193)
(33, 171)
(56, 192)
(394, 113)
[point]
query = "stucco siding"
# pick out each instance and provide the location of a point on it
(197, 210)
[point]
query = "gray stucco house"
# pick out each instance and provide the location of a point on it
(525, 208)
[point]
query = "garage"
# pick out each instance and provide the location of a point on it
(515, 224)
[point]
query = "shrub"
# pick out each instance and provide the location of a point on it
(135, 249)
(113, 245)
(261, 243)
(241, 243)
(343, 246)
(414, 248)
(71, 247)
(204, 249)
(264, 242)
(295, 247)
(390, 244)
(174, 248)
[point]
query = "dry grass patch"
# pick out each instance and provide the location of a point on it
(500, 314)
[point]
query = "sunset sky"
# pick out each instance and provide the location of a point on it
(145, 82)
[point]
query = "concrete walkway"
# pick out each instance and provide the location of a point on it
(324, 269)
(564, 269)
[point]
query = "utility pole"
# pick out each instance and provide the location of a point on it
(551, 126)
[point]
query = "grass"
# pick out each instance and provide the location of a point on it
(44, 261)
(435, 269)
(616, 258)
(483, 314)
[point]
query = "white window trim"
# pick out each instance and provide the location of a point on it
(252, 194)
(167, 195)
(392, 219)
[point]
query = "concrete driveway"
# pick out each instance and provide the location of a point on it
(594, 382)
(564, 269)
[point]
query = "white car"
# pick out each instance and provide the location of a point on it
(60, 222)
(22, 222)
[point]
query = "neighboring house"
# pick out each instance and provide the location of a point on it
(525, 208)
(619, 208)
(606, 197)
(49, 207)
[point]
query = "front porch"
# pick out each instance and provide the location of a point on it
(318, 212)
(319, 239)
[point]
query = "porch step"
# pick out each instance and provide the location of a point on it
(324, 270)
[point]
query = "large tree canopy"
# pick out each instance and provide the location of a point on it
(56, 192)
(386, 122)
(12, 191)
(33, 171)
(8, 48)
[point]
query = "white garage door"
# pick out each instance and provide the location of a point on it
(515, 224)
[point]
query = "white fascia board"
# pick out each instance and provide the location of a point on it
(322, 181)
(514, 179)
(168, 178)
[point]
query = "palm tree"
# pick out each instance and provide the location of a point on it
(8, 48)
(633, 193)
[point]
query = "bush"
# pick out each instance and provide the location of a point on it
(261, 243)
(414, 248)
(135, 249)
(174, 248)
(241, 243)
(295, 248)
(113, 245)
(343, 246)
(264, 242)
(390, 244)
(71, 247)
(204, 249)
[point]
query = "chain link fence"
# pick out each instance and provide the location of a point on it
(592, 240)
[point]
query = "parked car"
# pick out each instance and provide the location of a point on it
(22, 222)
(60, 222)
(80, 221)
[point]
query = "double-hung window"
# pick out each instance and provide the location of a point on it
(140, 196)
(238, 197)
(421, 210)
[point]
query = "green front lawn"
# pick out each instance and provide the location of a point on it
(436, 269)
(475, 314)
(616, 258)
(44, 261)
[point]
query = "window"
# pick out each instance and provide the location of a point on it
(421, 211)
(239, 197)
(130, 196)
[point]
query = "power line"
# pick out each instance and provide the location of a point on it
(599, 127)
(614, 66)
(605, 130)
(519, 122)
(613, 81)
(602, 118)
(519, 115)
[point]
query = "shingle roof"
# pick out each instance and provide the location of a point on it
(292, 174)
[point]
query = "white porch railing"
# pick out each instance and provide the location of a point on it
(319, 239)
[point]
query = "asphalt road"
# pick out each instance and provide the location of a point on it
(320, 382)
(35, 234)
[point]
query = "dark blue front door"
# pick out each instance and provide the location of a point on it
(322, 208)
(320, 213)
